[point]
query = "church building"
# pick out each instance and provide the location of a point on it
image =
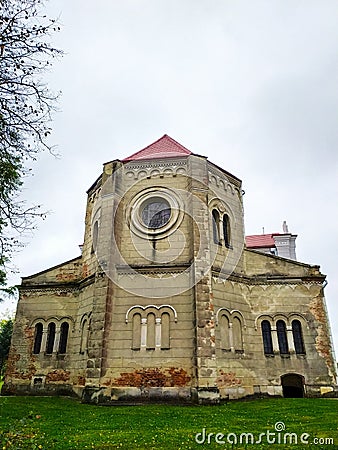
(168, 302)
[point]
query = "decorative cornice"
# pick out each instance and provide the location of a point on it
(160, 168)
(156, 163)
(152, 270)
(47, 290)
(225, 178)
(222, 277)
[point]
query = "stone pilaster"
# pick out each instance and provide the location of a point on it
(206, 369)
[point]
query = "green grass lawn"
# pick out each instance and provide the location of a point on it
(63, 423)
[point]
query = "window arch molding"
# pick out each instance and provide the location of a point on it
(222, 221)
(280, 316)
(231, 314)
(145, 310)
(300, 317)
(151, 330)
(287, 336)
(232, 338)
(51, 329)
(86, 316)
(259, 320)
(37, 320)
(52, 319)
(288, 318)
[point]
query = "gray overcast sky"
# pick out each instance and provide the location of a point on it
(250, 84)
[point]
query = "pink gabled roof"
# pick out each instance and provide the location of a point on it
(260, 241)
(165, 147)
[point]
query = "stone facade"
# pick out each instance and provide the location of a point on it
(166, 303)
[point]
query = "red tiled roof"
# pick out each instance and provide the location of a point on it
(165, 147)
(260, 241)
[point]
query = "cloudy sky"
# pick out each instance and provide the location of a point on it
(251, 84)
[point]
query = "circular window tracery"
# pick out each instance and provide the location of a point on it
(155, 212)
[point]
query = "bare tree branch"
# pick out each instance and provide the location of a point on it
(26, 106)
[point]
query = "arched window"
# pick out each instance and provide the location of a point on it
(298, 337)
(165, 331)
(224, 329)
(237, 335)
(150, 331)
(215, 226)
(267, 339)
(136, 340)
(226, 230)
(95, 235)
(37, 338)
(282, 338)
(64, 329)
(151, 327)
(50, 338)
(84, 334)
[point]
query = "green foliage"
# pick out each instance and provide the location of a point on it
(60, 423)
(25, 112)
(6, 330)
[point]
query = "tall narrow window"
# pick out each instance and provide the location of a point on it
(298, 337)
(64, 330)
(237, 335)
(282, 338)
(136, 342)
(95, 235)
(267, 339)
(151, 331)
(37, 338)
(226, 230)
(165, 331)
(224, 328)
(84, 336)
(50, 338)
(215, 226)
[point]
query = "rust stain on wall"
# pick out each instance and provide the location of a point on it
(13, 358)
(85, 271)
(29, 334)
(57, 375)
(316, 308)
(12, 372)
(81, 381)
(66, 276)
(154, 378)
(228, 379)
(323, 343)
